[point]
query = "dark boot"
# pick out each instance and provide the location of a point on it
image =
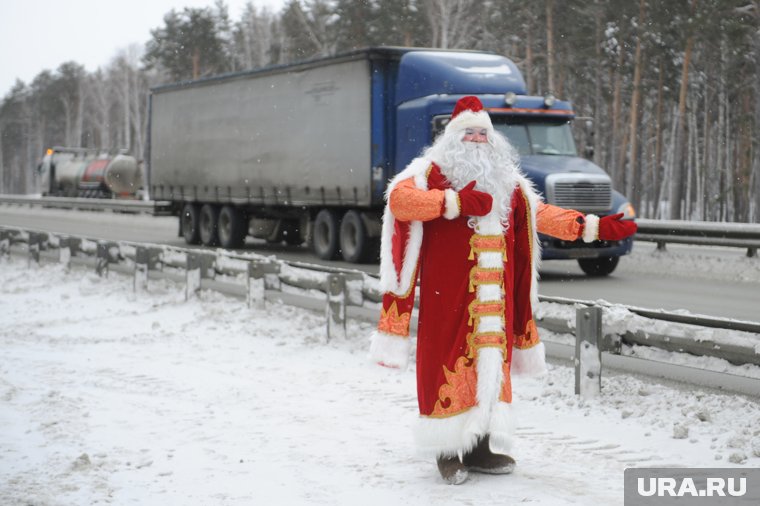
(452, 470)
(481, 460)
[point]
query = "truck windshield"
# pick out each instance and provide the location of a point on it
(538, 138)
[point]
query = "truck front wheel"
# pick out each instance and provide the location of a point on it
(209, 225)
(232, 227)
(325, 236)
(601, 266)
(190, 220)
(355, 244)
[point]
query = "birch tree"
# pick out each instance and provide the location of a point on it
(254, 38)
(451, 22)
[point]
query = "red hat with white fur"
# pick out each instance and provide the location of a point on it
(469, 113)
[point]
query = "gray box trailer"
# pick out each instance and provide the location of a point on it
(281, 153)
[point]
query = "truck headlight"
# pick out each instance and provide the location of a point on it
(628, 211)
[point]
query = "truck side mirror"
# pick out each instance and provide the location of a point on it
(588, 151)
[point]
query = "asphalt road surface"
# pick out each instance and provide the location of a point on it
(715, 282)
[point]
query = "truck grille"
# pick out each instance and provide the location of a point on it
(586, 193)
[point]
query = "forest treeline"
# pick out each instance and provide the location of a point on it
(671, 88)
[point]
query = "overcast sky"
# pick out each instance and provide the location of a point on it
(41, 34)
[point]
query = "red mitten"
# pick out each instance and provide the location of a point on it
(473, 202)
(612, 228)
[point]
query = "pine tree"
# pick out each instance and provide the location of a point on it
(188, 46)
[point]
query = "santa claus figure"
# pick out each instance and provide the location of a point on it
(463, 219)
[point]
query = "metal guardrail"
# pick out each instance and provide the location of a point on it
(704, 233)
(658, 314)
(155, 207)
(707, 345)
(344, 293)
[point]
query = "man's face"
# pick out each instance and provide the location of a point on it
(475, 135)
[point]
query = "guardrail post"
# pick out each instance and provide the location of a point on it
(336, 306)
(588, 355)
(35, 240)
(661, 246)
(208, 266)
(193, 275)
(354, 289)
(5, 244)
(70, 247)
(261, 275)
(107, 253)
(751, 252)
(64, 252)
(145, 260)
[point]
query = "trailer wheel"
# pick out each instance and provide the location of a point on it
(209, 225)
(232, 227)
(356, 245)
(190, 221)
(602, 266)
(325, 238)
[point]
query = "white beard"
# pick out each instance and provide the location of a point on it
(492, 165)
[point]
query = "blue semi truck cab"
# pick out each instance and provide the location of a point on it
(428, 84)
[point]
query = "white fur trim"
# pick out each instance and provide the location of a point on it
(491, 260)
(529, 362)
(451, 200)
(390, 350)
(490, 323)
(389, 281)
(490, 224)
(490, 293)
(501, 428)
(533, 201)
(459, 434)
(490, 376)
(591, 228)
(451, 435)
(469, 119)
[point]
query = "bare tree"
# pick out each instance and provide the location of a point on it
(100, 91)
(253, 37)
(451, 22)
(633, 186)
(551, 82)
(677, 185)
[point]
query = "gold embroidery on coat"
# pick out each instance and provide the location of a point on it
(506, 385)
(477, 340)
(529, 338)
(459, 393)
(488, 243)
(479, 309)
(393, 323)
(423, 205)
(486, 276)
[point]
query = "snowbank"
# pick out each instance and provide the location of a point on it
(110, 398)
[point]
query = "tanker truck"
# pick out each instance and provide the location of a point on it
(93, 173)
(304, 152)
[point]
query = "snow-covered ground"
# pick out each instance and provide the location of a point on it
(702, 262)
(111, 398)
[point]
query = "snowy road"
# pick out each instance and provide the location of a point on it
(713, 281)
(106, 398)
